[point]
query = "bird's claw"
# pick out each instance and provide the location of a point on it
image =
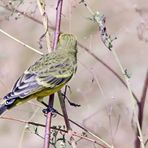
(49, 109)
(71, 103)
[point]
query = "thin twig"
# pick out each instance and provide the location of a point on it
(12, 9)
(88, 139)
(41, 6)
(25, 127)
(54, 128)
(22, 43)
(106, 39)
(63, 107)
(141, 109)
(132, 99)
(58, 23)
(107, 66)
(142, 100)
(65, 115)
(22, 136)
(89, 132)
(42, 125)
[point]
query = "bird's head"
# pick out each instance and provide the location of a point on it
(67, 42)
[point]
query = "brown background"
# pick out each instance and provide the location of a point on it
(108, 116)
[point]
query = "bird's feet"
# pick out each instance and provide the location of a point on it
(71, 103)
(67, 87)
(48, 109)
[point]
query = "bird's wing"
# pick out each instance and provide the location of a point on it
(48, 77)
(24, 86)
(56, 75)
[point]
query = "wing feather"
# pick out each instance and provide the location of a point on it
(30, 83)
(24, 86)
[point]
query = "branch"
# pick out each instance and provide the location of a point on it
(56, 36)
(25, 127)
(63, 107)
(107, 66)
(20, 42)
(106, 39)
(65, 115)
(142, 100)
(58, 23)
(41, 6)
(54, 128)
(132, 98)
(141, 109)
(12, 9)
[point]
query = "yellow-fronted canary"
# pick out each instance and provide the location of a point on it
(46, 76)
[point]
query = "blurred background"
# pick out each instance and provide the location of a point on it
(105, 112)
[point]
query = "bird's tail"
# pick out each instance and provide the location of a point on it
(3, 107)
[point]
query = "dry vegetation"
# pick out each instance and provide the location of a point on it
(107, 108)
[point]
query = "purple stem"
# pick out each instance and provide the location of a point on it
(51, 97)
(48, 123)
(58, 23)
(141, 105)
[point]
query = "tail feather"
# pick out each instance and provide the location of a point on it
(3, 108)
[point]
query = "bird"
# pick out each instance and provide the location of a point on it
(46, 76)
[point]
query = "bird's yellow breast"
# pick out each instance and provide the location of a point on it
(48, 91)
